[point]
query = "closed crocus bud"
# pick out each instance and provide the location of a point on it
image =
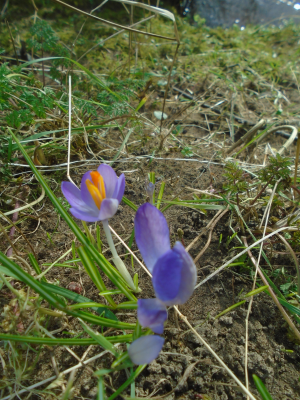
(99, 195)
(150, 187)
(174, 272)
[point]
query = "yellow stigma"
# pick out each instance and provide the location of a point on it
(96, 188)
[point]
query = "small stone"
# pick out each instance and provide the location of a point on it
(154, 367)
(75, 287)
(192, 338)
(93, 393)
(226, 320)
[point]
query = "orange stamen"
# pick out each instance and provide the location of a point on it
(96, 188)
(101, 187)
(95, 177)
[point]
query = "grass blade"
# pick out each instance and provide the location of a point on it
(261, 388)
(77, 298)
(122, 145)
(112, 273)
(230, 308)
(160, 195)
(23, 276)
(61, 342)
(100, 339)
(132, 377)
(129, 203)
(94, 273)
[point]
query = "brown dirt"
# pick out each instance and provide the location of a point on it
(268, 335)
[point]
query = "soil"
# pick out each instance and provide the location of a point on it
(185, 368)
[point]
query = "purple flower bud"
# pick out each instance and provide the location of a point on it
(174, 272)
(150, 187)
(99, 195)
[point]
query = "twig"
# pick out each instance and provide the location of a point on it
(247, 136)
(292, 253)
(208, 226)
(296, 161)
(210, 234)
(163, 138)
(19, 230)
(167, 87)
(23, 195)
(287, 143)
(27, 205)
(113, 35)
(79, 365)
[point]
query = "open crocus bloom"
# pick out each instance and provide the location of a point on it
(99, 195)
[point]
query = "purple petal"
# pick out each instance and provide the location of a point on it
(110, 179)
(73, 196)
(119, 189)
(108, 209)
(151, 234)
(167, 275)
(145, 349)
(170, 269)
(188, 274)
(85, 194)
(88, 216)
(152, 314)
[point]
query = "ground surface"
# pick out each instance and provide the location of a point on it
(229, 97)
(267, 332)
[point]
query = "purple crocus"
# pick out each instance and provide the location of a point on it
(99, 195)
(173, 271)
(174, 277)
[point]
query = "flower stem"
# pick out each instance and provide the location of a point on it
(116, 259)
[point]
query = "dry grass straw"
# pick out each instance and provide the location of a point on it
(155, 10)
(246, 139)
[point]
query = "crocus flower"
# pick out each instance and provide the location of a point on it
(174, 277)
(173, 271)
(98, 199)
(99, 195)
(145, 349)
